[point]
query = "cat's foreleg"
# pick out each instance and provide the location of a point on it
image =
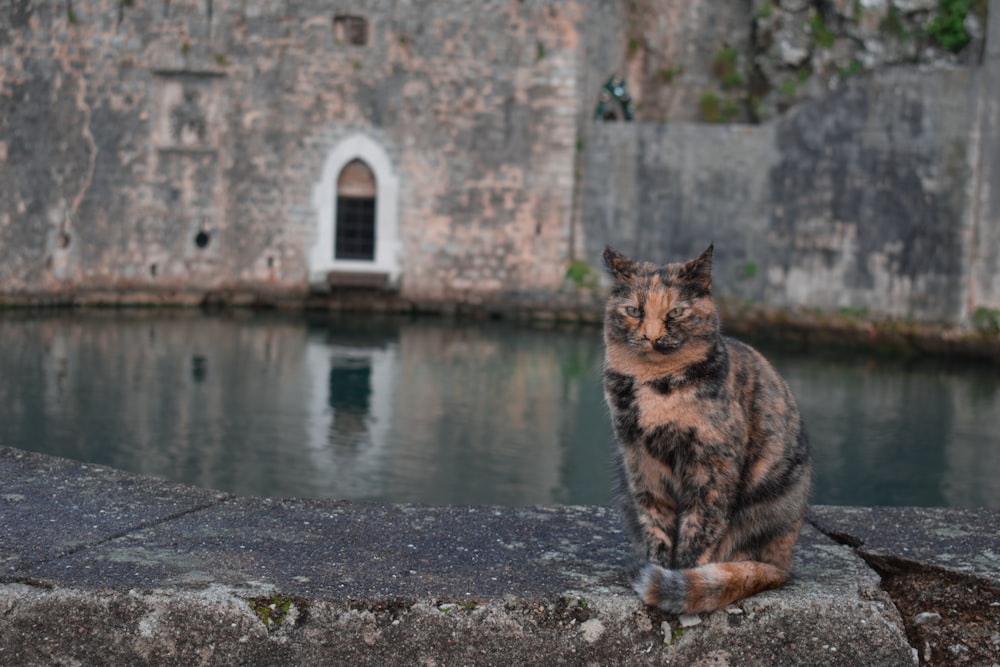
(699, 531)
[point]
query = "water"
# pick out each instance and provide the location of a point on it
(434, 411)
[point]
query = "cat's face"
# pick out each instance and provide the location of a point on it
(656, 310)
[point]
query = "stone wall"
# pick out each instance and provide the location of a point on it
(706, 60)
(175, 149)
(183, 145)
(861, 201)
(103, 567)
(866, 185)
(984, 290)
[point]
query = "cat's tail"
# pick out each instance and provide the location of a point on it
(704, 588)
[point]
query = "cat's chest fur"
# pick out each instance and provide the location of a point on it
(656, 408)
(666, 403)
(681, 435)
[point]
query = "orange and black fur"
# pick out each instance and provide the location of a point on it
(713, 463)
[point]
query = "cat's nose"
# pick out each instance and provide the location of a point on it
(653, 331)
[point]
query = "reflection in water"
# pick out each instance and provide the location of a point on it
(456, 413)
(438, 412)
(350, 389)
(894, 434)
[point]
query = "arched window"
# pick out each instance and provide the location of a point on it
(355, 198)
(355, 237)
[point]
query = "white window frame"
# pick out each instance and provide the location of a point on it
(321, 258)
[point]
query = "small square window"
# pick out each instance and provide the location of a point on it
(351, 30)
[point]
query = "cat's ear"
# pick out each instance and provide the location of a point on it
(698, 271)
(619, 266)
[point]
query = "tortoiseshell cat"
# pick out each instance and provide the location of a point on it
(713, 463)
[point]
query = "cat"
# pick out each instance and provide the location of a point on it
(713, 464)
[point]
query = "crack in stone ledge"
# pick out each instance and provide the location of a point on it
(950, 618)
(142, 525)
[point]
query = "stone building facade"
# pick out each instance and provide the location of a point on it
(178, 150)
(194, 145)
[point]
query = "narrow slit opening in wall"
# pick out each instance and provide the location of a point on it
(355, 233)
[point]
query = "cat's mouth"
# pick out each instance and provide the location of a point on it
(665, 346)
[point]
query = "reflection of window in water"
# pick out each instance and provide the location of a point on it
(349, 398)
(350, 414)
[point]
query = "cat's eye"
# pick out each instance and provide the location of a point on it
(675, 313)
(632, 311)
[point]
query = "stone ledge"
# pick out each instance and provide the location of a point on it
(100, 566)
(358, 280)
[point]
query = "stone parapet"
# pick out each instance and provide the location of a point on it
(99, 566)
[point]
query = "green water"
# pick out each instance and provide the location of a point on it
(434, 411)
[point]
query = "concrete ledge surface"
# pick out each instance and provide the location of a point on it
(99, 566)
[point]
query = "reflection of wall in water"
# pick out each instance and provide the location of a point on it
(184, 389)
(927, 427)
(973, 469)
(448, 414)
(501, 403)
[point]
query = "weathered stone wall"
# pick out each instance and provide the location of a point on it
(862, 201)
(165, 150)
(660, 191)
(984, 292)
(706, 60)
(131, 131)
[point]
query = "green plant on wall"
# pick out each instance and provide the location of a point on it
(709, 107)
(851, 69)
(747, 271)
(730, 109)
(821, 32)
(788, 88)
(582, 275)
(731, 80)
(716, 109)
(948, 26)
(272, 611)
(986, 321)
(791, 86)
(668, 74)
(725, 67)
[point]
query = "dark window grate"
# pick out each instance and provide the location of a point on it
(355, 228)
(351, 30)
